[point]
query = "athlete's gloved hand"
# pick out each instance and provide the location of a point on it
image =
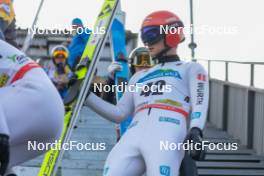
(4, 153)
(113, 68)
(72, 78)
(195, 137)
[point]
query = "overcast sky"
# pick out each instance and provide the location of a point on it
(242, 16)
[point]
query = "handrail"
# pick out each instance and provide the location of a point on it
(231, 61)
(252, 67)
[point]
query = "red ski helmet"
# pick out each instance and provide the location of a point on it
(151, 32)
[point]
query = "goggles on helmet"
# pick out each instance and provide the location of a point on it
(151, 35)
(143, 60)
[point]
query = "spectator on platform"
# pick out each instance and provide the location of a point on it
(80, 37)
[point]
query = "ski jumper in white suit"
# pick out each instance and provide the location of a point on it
(159, 116)
(30, 106)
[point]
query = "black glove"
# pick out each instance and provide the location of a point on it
(4, 153)
(73, 79)
(195, 137)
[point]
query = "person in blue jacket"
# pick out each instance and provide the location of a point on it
(78, 43)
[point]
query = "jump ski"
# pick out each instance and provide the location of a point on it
(120, 55)
(30, 34)
(78, 91)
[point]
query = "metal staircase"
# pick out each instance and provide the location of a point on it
(241, 162)
(91, 128)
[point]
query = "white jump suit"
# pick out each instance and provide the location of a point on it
(30, 106)
(159, 117)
